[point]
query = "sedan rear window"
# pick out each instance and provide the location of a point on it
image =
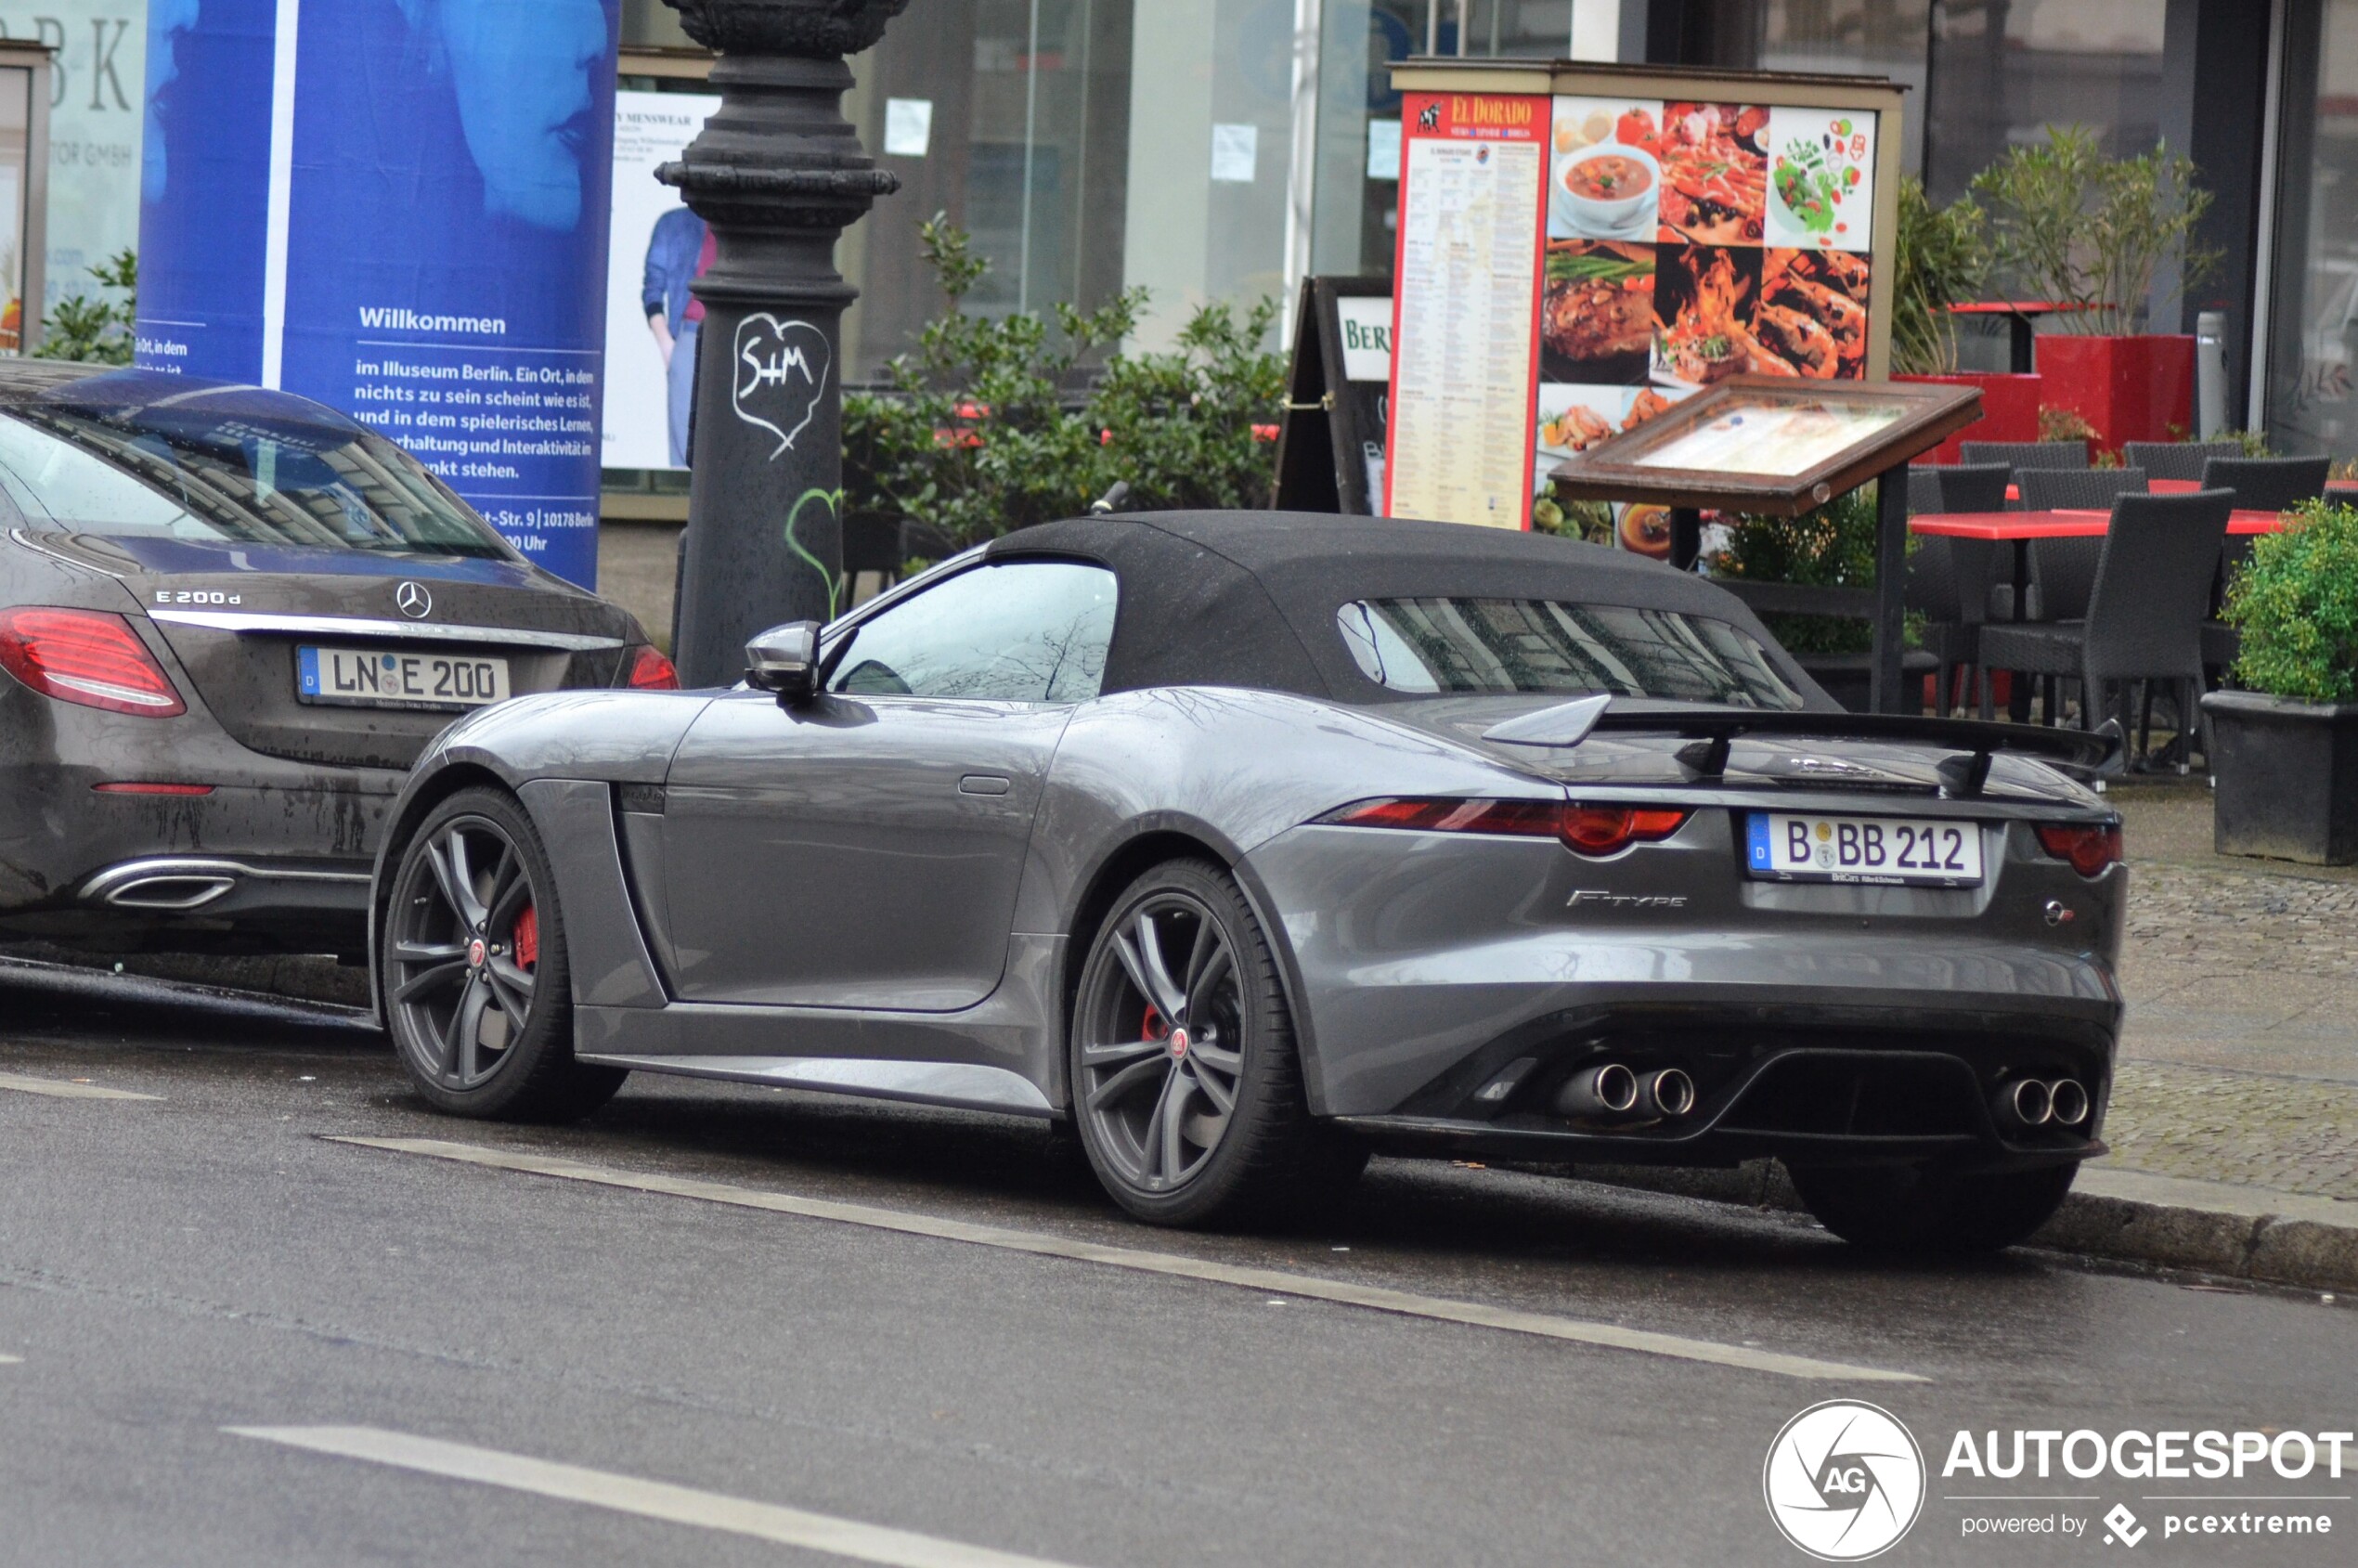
(1464, 645)
(236, 464)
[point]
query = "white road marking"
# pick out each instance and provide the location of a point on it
(59, 1088)
(649, 1500)
(12, 1360)
(1265, 1280)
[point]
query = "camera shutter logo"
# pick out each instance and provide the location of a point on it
(413, 601)
(1845, 1481)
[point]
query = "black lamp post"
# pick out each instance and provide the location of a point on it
(778, 174)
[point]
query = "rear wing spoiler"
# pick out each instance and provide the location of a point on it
(1712, 730)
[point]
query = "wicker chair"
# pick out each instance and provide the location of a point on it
(2062, 571)
(2260, 485)
(1948, 579)
(2176, 459)
(2153, 580)
(1974, 487)
(2026, 453)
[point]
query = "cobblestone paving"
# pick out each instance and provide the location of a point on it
(2225, 921)
(2289, 1133)
(2199, 933)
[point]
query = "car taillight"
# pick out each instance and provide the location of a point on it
(1608, 830)
(650, 671)
(2089, 849)
(87, 657)
(1588, 830)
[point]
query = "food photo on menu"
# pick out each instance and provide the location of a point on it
(1596, 313)
(1688, 243)
(1604, 181)
(1715, 174)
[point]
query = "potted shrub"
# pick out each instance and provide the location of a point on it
(2088, 233)
(2285, 751)
(1943, 261)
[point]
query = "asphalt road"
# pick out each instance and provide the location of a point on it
(736, 1326)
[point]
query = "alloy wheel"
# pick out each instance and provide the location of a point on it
(1162, 1050)
(465, 950)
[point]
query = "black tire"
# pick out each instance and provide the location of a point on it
(1156, 1136)
(1922, 1210)
(462, 937)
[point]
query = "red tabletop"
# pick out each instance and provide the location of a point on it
(2153, 488)
(2072, 524)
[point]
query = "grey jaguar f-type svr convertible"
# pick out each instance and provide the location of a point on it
(1253, 842)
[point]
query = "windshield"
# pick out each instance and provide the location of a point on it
(1454, 645)
(235, 464)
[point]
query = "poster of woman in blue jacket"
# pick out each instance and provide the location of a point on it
(434, 182)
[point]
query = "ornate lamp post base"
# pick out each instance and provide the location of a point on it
(777, 174)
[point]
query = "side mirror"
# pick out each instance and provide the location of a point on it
(784, 660)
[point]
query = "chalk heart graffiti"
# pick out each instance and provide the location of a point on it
(781, 370)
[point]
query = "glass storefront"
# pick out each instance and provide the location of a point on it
(2312, 323)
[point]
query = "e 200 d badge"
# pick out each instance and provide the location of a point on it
(1845, 1481)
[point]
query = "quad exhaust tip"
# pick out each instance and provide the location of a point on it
(1610, 1090)
(1670, 1093)
(2068, 1101)
(2029, 1102)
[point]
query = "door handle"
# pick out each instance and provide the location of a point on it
(985, 784)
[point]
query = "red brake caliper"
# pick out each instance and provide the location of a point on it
(529, 938)
(1156, 1027)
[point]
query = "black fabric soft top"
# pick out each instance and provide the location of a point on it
(1249, 597)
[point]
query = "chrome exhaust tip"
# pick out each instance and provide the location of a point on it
(1670, 1093)
(2068, 1102)
(1610, 1090)
(2024, 1103)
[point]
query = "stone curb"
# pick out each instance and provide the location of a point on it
(2210, 1227)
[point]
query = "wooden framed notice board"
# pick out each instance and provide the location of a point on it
(1582, 247)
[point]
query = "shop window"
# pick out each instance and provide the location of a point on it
(2311, 385)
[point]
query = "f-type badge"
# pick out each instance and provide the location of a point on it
(1584, 897)
(413, 601)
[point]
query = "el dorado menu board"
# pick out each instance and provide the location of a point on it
(1467, 275)
(1693, 227)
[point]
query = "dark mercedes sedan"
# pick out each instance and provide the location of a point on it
(230, 619)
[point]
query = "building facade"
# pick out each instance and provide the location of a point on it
(1221, 150)
(1209, 150)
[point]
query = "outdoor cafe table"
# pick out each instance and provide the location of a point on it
(2020, 528)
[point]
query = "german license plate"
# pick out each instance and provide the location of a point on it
(373, 677)
(1882, 852)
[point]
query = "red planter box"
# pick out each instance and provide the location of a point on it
(2009, 410)
(2131, 389)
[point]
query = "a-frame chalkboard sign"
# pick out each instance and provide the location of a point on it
(1330, 444)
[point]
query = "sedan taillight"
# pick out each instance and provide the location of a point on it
(87, 657)
(2089, 849)
(1588, 830)
(650, 671)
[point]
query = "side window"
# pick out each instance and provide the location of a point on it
(1022, 631)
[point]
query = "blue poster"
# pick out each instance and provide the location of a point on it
(205, 187)
(429, 250)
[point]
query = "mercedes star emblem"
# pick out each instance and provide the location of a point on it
(413, 602)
